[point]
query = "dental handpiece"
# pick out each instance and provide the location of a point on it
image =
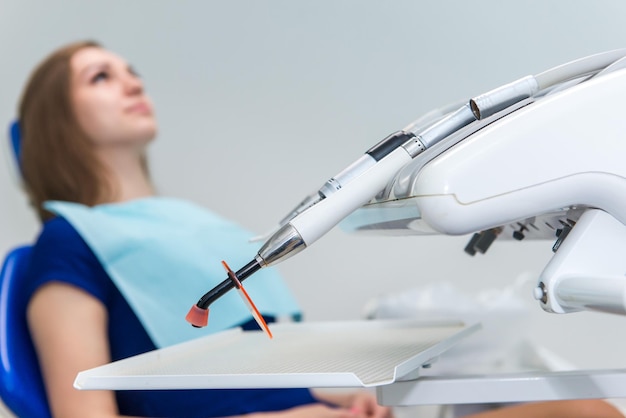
(359, 183)
(358, 167)
(338, 198)
(367, 176)
(315, 215)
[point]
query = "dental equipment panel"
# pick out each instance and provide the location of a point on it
(539, 158)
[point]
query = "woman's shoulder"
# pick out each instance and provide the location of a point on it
(60, 254)
(57, 235)
(56, 228)
(60, 243)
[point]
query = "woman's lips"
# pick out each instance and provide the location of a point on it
(141, 108)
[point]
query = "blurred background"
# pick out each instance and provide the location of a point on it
(260, 102)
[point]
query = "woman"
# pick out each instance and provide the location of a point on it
(86, 123)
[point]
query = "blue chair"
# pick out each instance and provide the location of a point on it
(15, 138)
(21, 384)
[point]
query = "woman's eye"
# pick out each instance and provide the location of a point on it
(133, 72)
(102, 75)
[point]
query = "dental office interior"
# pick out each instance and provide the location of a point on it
(260, 102)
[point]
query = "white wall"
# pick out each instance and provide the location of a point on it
(260, 102)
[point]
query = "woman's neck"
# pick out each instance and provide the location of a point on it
(133, 187)
(128, 176)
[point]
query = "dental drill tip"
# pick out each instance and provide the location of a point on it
(228, 284)
(198, 317)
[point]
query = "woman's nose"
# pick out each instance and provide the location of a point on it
(132, 84)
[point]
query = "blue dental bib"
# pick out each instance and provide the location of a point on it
(163, 254)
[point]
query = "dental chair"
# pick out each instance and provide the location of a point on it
(21, 384)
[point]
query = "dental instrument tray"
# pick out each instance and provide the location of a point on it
(314, 354)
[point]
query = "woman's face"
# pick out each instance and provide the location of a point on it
(109, 100)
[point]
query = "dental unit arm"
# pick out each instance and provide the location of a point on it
(537, 158)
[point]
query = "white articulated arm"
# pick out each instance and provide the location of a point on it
(588, 272)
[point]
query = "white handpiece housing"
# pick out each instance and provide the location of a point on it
(554, 164)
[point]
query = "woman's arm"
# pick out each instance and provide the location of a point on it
(361, 403)
(69, 330)
(593, 408)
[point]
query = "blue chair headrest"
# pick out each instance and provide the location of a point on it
(15, 136)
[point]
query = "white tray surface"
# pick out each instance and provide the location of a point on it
(313, 354)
